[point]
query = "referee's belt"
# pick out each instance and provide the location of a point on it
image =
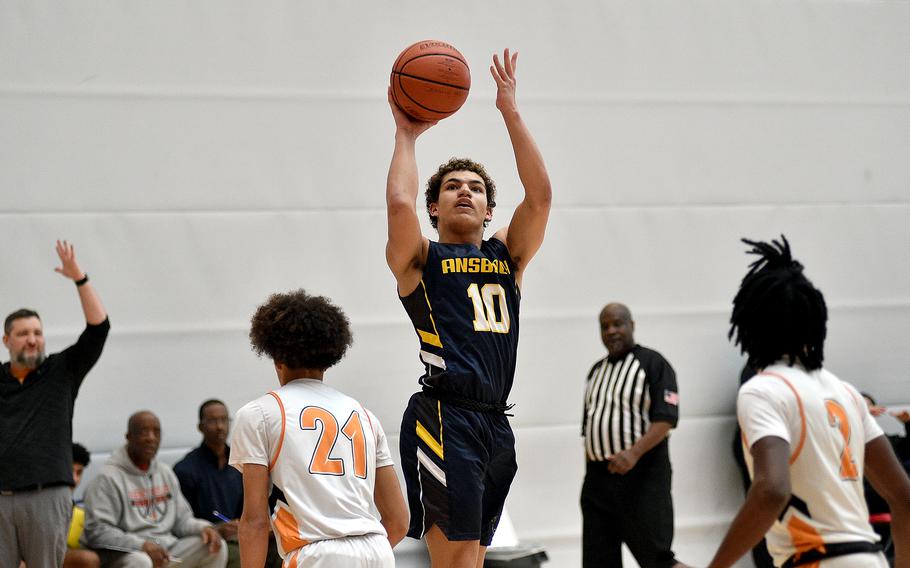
(460, 401)
(32, 487)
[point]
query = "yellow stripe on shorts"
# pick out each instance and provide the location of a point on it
(430, 441)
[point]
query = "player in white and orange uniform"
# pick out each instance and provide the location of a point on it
(810, 436)
(314, 460)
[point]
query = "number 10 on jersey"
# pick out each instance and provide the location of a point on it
(486, 300)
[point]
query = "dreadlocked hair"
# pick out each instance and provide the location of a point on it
(777, 312)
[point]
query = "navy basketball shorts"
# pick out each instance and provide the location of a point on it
(458, 465)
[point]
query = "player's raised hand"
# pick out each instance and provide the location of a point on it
(404, 123)
(902, 415)
(69, 267)
(504, 75)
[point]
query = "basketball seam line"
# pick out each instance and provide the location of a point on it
(413, 100)
(430, 81)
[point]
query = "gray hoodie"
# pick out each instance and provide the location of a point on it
(125, 506)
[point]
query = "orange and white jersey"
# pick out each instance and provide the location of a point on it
(322, 449)
(827, 425)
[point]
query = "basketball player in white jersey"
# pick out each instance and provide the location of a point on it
(314, 461)
(809, 435)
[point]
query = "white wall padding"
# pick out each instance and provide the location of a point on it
(202, 155)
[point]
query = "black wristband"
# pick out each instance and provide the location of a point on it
(82, 280)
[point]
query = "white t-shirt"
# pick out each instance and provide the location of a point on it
(827, 425)
(322, 449)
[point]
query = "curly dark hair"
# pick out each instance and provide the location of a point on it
(777, 311)
(300, 331)
(457, 165)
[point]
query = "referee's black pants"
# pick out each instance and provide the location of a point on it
(635, 508)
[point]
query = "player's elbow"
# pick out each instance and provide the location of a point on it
(542, 198)
(400, 203)
(397, 528)
(775, 493)
(253, 524)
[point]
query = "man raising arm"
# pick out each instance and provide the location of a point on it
(37, 397)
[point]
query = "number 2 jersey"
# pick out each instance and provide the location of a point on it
(827, 424)
(322, 449)
(465, 312)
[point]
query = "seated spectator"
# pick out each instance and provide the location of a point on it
(76, 556)
(211, 486)
(135, 515)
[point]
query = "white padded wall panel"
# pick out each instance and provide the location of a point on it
(204, 155)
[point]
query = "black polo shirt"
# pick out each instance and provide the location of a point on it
(36, 416)
(209, 488)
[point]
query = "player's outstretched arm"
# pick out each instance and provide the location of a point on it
(406, 247)
(767, 497)
(890, 481)
(254, 521)
(91, 303)
(393, 512)
(525, 232)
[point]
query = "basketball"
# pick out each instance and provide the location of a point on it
(430, 80)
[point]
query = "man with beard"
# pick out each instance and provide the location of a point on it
(37, 395)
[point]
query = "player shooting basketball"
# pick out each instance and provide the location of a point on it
(462, 293)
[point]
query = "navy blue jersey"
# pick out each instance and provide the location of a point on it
(465, 312)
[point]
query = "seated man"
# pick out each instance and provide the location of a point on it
(135, 515)
(76, 556)
(214, 489)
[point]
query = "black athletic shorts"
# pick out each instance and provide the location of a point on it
(458, 465)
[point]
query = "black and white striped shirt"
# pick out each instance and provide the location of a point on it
(622, 399)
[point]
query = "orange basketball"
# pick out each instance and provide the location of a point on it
(430, 80)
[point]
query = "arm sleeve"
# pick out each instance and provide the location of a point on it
(383, 455)
(81, 356)
(760, 416)
(103, 509)
(663, 390)
(250, 441)
(871, 429)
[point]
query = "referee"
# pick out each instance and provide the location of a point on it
(631, 403)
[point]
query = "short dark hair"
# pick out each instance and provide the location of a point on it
(300, 330)
(777, 312)
(80, 454)
(458, 165)
(18, 314)
(207, 404)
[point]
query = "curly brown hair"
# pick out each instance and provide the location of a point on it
(300, 330)
(458, 165)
